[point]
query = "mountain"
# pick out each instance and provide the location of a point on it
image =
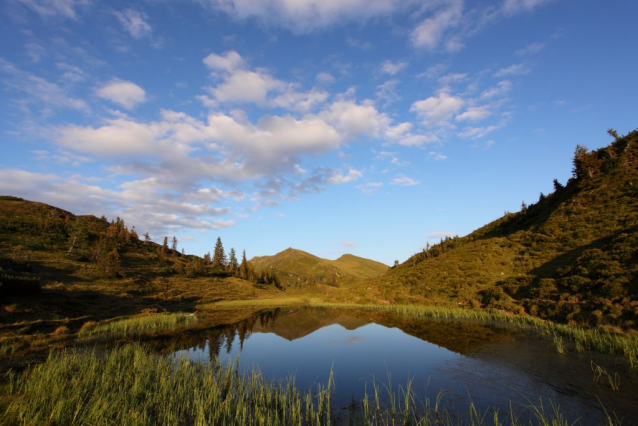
(359, 266)
(296, 268)
(572, 256)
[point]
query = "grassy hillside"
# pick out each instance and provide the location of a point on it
(571, 256)
(296, 268)
(61, 270)
(359, 266)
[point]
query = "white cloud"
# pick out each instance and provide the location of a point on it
(229, 61)
(430, 33)
(124, 93)
(348, 243)
(55, 8)
(392, 68)
(403, 180)
(515, 69)
(354, 119)
(339, 178)
(438, 110)
(241, 85)
(475, 114)
(134, 22)
(402, 135)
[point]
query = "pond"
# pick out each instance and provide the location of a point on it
(493, 366)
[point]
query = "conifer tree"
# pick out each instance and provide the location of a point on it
(219, 256)
(243, 268)
(174, 244)
(233, 266)
(147, 238)
(163, 249)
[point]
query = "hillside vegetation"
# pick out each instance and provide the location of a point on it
(572, 256)
(62, 270)
(296, 268)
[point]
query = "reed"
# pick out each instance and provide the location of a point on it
(136, 326)
(133, 386)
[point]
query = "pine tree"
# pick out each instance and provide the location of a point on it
(163, 249)
(233, 266)
(174, 244)
(243, 268)
(219, 256)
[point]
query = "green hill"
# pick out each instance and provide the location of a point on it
(359, 266)
(59, 269)
(296, 268)
(572, 256)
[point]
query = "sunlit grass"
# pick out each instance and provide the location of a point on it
(137, 326)
(133, 386)
(262, 303)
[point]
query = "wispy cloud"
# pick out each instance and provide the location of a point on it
(403, 180)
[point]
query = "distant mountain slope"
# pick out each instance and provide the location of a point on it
(359, 266)
(297, 268)
(571, 256)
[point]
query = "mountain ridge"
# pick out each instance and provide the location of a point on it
(297, 268)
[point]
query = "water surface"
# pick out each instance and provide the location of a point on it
(490, 365)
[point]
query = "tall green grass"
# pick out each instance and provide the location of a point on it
(132, 386)
(136, 326)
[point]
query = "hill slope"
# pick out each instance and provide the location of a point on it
(572, 256)
(63, 270)
(296, 268)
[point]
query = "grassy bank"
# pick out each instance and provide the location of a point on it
(136, 326)
(132, 386)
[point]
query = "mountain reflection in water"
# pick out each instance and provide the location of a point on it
(491, 364)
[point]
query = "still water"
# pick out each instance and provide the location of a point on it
(494, 367)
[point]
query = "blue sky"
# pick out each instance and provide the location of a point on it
(369, 127)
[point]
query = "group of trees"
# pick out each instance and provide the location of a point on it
(217, 264)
